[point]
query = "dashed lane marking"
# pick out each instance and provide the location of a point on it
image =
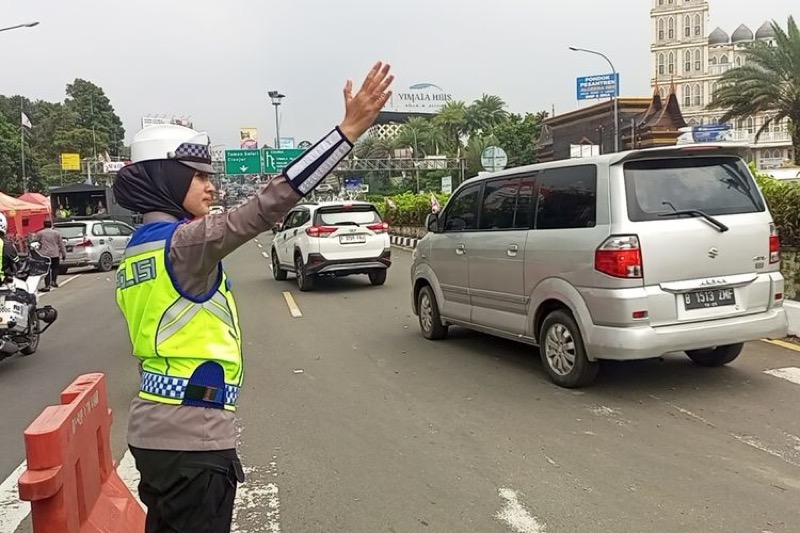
(783, 344)
(292, 305)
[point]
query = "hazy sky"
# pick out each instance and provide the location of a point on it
(216, 60)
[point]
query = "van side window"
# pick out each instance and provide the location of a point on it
(506, 203)
(522, 218)
(567, 198)
(462, 212)
(499, 204)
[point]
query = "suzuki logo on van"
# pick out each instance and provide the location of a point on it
(713, 253)
(713, 282)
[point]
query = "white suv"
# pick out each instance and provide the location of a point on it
(332, 239)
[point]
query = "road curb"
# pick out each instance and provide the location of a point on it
(406, 242)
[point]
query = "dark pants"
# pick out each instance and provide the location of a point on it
(188, 491)
(52, 277)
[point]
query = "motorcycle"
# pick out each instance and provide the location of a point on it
(21, 321)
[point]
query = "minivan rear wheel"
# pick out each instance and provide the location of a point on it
(563, 354)
(105, 263)
(719, 356)
(429, 320)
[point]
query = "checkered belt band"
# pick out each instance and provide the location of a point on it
(175, 388)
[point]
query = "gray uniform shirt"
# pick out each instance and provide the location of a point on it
(196, 249)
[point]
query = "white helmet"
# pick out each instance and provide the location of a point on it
(3, 223)
(170, 141)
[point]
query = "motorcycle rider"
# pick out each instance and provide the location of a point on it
(182, 318)
(8, 250)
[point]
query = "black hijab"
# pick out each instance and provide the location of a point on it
(159, 185)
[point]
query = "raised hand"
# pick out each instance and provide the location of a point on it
(362, 109)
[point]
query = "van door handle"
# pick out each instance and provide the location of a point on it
(461, 249)
(512, 250)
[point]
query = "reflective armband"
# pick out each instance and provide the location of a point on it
(308, 170)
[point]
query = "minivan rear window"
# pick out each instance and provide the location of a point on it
(714, 185)
(343, 216)
(71, 231)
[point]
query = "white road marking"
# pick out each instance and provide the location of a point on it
(129, 475)
(39, 294)
(789, 374)
(265, 255)
(292, 305)
(12, 510)
(257, 503)
(516, 517)
(754, 442)
(260, 246)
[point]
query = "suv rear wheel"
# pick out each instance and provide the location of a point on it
(719, 356)
(105, 263)
(562, 351)
(377, 277)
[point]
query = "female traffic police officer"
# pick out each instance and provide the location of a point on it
(181, 316)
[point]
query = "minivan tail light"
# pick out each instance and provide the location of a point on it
(85, 243)
(774, 245)
(619, 256)
(322, 232)
(381, 227)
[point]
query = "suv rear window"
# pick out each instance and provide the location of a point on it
(348, 216)
(714, 185)
(71, 231)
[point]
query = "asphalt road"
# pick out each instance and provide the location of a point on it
(352, 422)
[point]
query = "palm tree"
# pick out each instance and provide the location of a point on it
(485, 113)
(452, 119)
(422, 137)
(374, 147)
(475, 147)
(767, 82)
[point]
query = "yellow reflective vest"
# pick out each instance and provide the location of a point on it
(190, 348)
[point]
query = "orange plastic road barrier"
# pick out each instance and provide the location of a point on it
(71, 481)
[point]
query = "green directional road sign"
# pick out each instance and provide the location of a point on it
(276, 160)
(238, 162)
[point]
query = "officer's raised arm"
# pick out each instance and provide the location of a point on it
(220, 234)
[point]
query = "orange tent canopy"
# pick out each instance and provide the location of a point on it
(23, 217)
(36, 198)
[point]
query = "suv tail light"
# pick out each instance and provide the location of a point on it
(84, 243)
(322, 232)
(381, 227)
(774, 245)
(620, 257)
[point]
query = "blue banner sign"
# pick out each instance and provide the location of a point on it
(600, 86)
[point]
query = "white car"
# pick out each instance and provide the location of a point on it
(332, 239)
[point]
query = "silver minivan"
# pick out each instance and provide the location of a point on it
(625, 256)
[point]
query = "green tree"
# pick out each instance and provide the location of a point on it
(767, 82)
(518, 137)
(422, 136)
(452, 120)
(486, 113)
(90, 108)
(475, 147)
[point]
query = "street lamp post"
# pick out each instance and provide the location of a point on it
(616, 92)
(26, 25)
(276, 101)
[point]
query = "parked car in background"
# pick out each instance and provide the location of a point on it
(98, 243)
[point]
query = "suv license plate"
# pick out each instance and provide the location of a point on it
(352, 239)
(709, 299)
(69, 248)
